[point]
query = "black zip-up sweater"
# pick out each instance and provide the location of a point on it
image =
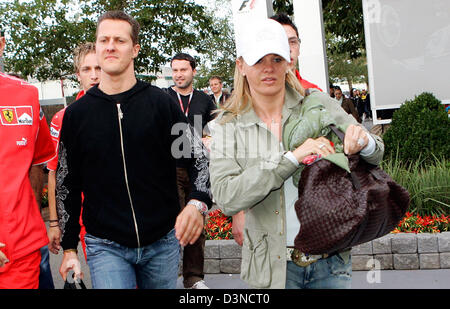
(91, 161)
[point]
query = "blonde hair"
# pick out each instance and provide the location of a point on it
(80, 52)
(240, 101)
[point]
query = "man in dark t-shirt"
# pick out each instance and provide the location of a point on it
(193, 103)
(198, 108)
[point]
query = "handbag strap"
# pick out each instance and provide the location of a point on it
(338, 132)
(341, 136)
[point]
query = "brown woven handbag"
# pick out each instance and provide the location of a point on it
(338, 210)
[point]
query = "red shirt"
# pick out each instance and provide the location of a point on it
(55, 129)
(25, 141)
(305, 84)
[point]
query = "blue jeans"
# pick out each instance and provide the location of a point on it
(330, 273)
(113, 266)
(45, 275)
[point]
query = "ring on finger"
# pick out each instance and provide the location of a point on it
(321, 146)
(360, 142)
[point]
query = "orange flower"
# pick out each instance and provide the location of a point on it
(218, 226)
(417, 224)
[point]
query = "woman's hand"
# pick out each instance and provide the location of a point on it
(355, 139)
(237, 227)
(320, 146)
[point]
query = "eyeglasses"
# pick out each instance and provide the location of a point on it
(294, 41)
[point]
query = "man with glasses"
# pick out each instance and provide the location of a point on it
(294, 45)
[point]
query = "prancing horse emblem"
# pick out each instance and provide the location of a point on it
(8, 114)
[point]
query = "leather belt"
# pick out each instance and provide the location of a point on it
(303, 259)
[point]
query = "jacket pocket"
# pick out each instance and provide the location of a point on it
(256, 269)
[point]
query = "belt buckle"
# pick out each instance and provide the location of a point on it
(301, 259)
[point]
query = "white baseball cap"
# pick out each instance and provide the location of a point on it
(263, 37)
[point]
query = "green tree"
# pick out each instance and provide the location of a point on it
(344, 20)
(344, 31)
(42, 35)
(283, 6)
(342, 67)
(220, 48)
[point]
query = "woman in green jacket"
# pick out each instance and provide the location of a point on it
(251, 170)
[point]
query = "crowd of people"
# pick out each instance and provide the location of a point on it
(360, 102)
(134, 169)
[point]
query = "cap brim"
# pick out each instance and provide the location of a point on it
(252, 59)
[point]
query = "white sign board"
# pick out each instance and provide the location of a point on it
(408, 50)
(312, 61)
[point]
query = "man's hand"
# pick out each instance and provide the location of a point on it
(54, 239)
(3, 258)
(70, 262)
(238, 227)
(189, 225)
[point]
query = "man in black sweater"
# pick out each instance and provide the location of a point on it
(119, 147)
(198, 108)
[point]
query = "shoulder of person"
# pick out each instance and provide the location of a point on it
(11, 85)
(163, 97)
(203, 95)
(316, 98)
(58, 115)
(225, 117)
(167, 90)
(347, 101)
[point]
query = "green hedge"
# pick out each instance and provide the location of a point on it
(420, 131)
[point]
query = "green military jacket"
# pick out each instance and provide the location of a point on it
(247, 172)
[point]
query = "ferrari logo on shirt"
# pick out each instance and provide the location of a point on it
(16, 115)
(8, 114)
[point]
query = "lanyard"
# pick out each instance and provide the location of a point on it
(181, 103)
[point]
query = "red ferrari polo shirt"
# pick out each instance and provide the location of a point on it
(24, 141)
(55, 129)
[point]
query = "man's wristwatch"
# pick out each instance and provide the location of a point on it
(201, 207)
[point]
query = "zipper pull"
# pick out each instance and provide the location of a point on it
(119, 111)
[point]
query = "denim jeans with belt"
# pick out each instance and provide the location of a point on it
(113, 266)
(333, 272)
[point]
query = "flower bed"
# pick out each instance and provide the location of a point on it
(218, 226)
(429, 224)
